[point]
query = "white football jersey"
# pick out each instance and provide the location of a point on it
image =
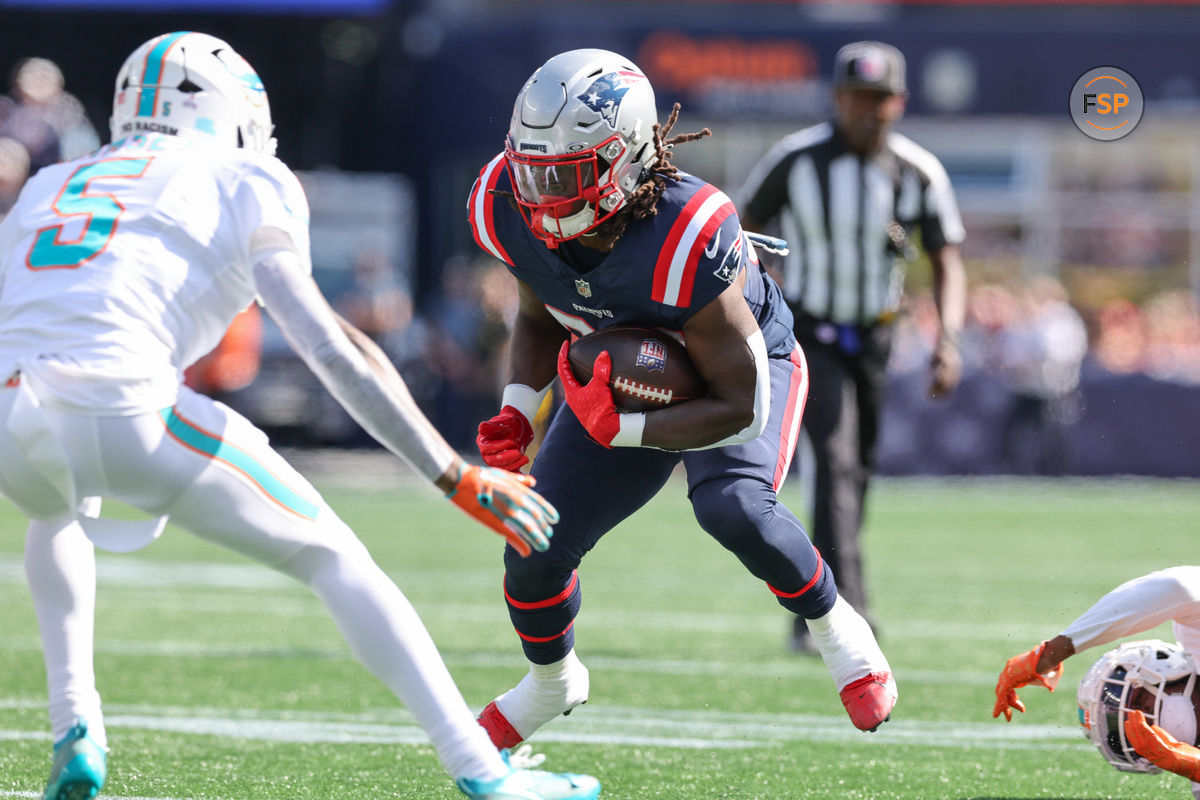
(1136, 606)
(121, 268)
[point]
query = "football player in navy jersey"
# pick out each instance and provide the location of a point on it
(600, 229)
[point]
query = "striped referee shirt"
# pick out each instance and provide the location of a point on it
(835, 209)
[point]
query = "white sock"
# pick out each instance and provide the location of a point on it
(847, 644)
(60, 567)
(388, 637)
(547, 691)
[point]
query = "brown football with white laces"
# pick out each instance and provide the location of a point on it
(650, 369)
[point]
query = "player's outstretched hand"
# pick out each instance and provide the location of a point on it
(506, 503)
(1021, 671)
(503, 438)
(592, 403)
(1161, 748)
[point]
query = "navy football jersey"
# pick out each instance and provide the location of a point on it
(662, 270)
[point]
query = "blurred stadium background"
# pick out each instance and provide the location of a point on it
(388, 108)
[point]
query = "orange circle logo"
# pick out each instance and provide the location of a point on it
(1106, 103)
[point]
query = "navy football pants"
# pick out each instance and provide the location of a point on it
(733, 494)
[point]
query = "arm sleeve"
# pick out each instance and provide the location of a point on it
(373, 393)
(1139, 605)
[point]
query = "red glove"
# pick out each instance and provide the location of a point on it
(503, 438)
(593, 404)
(1021, 671)
(1161, 748)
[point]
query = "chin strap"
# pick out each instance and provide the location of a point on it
(539, 230)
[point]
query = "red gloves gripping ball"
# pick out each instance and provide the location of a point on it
(593, 404)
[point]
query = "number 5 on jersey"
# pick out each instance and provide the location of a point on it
(50, 250)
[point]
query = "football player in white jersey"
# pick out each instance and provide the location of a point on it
(119, 269)
(1139, 703)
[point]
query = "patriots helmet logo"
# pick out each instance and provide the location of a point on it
(604, 97)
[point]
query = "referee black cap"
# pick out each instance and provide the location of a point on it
(869, 65)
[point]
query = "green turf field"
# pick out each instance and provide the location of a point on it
(221, 679)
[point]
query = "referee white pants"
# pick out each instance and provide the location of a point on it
(215, 475)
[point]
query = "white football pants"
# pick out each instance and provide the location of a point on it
(216, 476)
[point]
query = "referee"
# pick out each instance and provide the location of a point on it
(848, 194)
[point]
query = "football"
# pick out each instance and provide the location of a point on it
(650, 369)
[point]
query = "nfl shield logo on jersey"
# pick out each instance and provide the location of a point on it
(583, 287)
(652, 355)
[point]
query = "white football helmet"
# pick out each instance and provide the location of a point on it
(579, 142)
(193, 85)
(1134, 676)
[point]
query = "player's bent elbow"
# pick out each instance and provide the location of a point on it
(745, 425)
(756, 423)
(749, 423)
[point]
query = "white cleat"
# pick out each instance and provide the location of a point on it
(860, 670)
(544, 693)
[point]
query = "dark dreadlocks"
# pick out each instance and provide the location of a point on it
(643, 202)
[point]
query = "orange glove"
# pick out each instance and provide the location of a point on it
(505, 503)
(1021, 671)
(1161, 748)
(592, 403)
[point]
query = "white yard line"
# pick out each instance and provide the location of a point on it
(791, 668)
(612, 725)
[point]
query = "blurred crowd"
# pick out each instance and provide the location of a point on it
(40, 123)
(450, 350)
(1029, 339)
(1030, 333)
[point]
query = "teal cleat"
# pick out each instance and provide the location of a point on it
(532, 784)
(80, 767)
